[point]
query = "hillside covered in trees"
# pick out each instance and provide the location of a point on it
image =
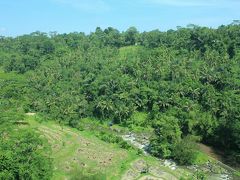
(186, 82)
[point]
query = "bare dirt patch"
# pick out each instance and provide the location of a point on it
(211, 152)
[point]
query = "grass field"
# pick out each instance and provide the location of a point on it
(73, 150)
(76, 152)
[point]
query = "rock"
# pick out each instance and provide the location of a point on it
(139, 143)
(30, 114)
(141, 166)
(131, 174)
(170, 164)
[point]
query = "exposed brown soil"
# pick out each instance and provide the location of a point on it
(211, 152)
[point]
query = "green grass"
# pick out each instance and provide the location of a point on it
(73, 149)
(237, 173)
(11, 76)
(201, 158)
(81, 154)
(129, 51)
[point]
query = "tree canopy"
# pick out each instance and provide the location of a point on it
(187, 80)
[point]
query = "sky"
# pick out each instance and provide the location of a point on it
(18, 17)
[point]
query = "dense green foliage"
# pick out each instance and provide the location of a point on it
(168, 134)
(188, 80)
(23, 156)
(186, 151)
(23, 153)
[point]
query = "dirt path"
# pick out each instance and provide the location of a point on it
(210, 151)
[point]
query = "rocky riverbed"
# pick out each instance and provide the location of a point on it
(141, 143)
(214, 170)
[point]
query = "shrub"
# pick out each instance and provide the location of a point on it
(111, 138)
(24, 155)
(185, 152)
(167, 134)
(138, 119)
(199, 175)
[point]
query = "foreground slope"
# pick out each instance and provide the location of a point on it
(76, 153)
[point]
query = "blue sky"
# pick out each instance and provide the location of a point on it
(19, 17)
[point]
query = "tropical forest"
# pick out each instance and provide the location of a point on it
(124, 105)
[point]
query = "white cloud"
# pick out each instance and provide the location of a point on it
(196, 3)
(86, 5)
